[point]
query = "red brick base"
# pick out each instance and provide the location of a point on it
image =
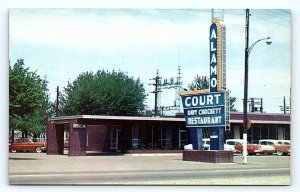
(208, 156)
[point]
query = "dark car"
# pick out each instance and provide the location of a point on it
(27, 144)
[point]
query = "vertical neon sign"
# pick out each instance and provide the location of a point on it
(213, 58)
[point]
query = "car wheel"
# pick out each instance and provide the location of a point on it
(38, 150)
(279, 153)
(14, 151)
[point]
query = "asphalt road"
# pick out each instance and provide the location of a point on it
(32, 168)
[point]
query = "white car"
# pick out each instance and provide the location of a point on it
(188, 147)
(268, 145)
(230, 143)
(206, 143)
(280, 147)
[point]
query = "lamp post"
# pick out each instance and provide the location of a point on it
(247, 54)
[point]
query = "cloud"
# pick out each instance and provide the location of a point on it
(83, 31)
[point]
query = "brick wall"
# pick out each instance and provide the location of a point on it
(55, 139)
(208, 156)
(98, 138)
(77, 141)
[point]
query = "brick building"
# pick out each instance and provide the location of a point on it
(125, 134)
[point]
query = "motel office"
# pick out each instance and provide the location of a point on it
(126, 134)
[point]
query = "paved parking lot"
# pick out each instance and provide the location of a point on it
(154, 169)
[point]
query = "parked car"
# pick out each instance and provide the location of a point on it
(236, 145)
(230, 143)
(188, 147)
(283, 147)
(280, 147)
(268, 145)
(252, 149)
(206, 143)
(27, 144)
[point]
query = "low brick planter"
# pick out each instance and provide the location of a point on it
(208, 156)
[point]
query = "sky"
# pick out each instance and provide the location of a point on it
(62, 43)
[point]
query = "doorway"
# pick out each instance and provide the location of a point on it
(115, 138)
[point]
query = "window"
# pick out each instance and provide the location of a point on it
(114, 137)
(270, 143)
(263, 143)
(230, 143)
(166, 138)
(135, 137)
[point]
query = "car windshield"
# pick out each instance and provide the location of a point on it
(23, 140)
(230, 143)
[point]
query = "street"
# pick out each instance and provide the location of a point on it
(167, 169)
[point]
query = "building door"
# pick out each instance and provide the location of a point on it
(280, 135)
(182, 138)
(135, 137)
(115, 137)
(237, 132)
(166, 138)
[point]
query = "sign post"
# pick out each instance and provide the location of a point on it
(210, 109)
(205, 110)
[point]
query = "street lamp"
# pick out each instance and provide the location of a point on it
(268, 42)
(247, 54)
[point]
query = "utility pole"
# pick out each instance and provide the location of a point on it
(255, 105)
(57, 96)
(173, 83)
(245, 89)
(156, 91)
(284, 108)
(247, 53)
(261, 105)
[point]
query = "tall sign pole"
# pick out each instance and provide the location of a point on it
(207, 108)
(245, 89)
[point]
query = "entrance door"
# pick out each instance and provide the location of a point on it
(183, 138)
(135, 137)
(280, 135)
(167, 138)
(237, 132)
(115, 137)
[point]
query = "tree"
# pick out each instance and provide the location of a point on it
(104, 93)
(28, 100)
(202, 82)
(232, 101)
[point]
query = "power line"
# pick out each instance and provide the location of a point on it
(271, 17)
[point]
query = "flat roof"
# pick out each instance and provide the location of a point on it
(235, 117)
(261, 118)
(125, 118)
